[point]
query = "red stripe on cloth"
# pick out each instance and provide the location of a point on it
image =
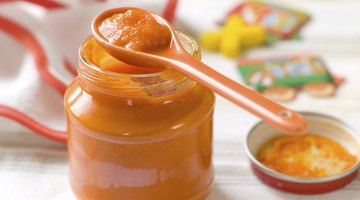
(26, 121)
(47, 4)
(169, 12)
(27, 39)
(70, 68)
(4, 1)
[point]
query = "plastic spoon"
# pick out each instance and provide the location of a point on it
(177, 58)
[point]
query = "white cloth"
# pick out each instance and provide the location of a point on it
(32, 167)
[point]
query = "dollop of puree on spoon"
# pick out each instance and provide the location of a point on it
(135, 30)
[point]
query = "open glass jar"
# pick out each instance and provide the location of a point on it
(138, 136)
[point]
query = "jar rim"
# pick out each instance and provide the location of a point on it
(164, 83)
(186, 40)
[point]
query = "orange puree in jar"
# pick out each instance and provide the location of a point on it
(105, 61)
(309, 156)
(137, 133)
(135, 30)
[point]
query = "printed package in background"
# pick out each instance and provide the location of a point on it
(281, 22)
(281, 77)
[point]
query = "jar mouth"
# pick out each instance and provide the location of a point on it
(143, 85)
(187, 41)
(100, 70)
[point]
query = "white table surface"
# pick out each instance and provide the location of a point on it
(35, 168)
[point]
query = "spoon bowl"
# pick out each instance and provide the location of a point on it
(137, 58)
(177, 58)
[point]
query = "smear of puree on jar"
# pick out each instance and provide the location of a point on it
(309, 156)
(135, 30)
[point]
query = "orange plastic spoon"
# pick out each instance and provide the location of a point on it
(177, 58)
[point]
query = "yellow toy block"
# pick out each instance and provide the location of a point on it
(234, 22)
(230, 43)
(253, 35)
(210, 40)
(233, 37)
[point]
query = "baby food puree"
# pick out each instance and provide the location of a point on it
(310, 156)
(135, 30)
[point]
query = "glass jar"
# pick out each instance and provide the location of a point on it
(138, 136)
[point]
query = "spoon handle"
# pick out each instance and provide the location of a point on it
(279, 116)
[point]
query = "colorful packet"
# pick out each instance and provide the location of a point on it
(280, 77)
(279, 21)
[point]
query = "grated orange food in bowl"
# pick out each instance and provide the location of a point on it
(309, 156)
